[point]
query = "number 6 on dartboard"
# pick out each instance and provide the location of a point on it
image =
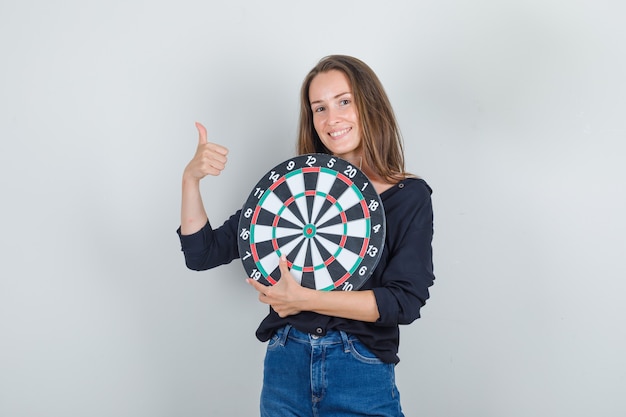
(318, 210)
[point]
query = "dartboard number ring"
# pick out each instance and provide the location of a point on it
(323, 214)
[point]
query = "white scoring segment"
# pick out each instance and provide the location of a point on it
(332, 212)
(269, 262)
(297, 187)
(273, 204)
(262, 233)
(348, 199)
(347, 259)
(301, 256)
(323, 279)
(335, 229)
(288, 247)
(316, 257)
(297, 275)
(358, 228)
(286, 232)
(355, 228)
(325, 182)
(330, 246)
(322, 276)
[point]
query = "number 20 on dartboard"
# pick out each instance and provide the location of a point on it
(322, 213)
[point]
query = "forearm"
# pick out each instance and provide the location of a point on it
(193, 215)
(355, 305)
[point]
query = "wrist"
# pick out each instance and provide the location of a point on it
(189, 179)
(311, 299)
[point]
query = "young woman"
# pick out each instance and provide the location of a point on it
(332, 353)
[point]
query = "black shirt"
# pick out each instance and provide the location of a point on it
(400, 281)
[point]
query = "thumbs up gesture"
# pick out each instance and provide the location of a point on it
(210, 158)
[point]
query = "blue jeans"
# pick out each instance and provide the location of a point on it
(326, 376)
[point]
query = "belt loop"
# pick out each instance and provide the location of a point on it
(285, 333)
(346, 342)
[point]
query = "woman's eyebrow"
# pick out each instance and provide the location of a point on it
(337, 96)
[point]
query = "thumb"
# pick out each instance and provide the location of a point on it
(202, 139)
(283, 265)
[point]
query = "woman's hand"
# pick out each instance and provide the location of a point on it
(287, 296)
(210, 158)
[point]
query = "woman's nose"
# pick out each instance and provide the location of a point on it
(333, 116)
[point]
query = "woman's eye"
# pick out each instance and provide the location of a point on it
(318, 109)
(344, 102)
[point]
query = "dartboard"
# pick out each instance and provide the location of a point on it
(323, 214)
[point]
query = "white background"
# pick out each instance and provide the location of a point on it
(513, 111)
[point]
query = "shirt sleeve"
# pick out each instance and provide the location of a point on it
(409, 271)
(208, 247)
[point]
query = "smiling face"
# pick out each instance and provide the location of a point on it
(335, 115)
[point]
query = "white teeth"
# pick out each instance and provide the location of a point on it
(339, 133)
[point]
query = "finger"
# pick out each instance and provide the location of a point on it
(218, 149)
(283, 265)
(257, 286)
(202, 135)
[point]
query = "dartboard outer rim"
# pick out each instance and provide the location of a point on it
(348, 281)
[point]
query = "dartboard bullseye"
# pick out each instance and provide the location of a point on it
(323, 214)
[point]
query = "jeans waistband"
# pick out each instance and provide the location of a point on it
(332, 337)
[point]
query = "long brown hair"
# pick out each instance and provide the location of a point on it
(380, 136)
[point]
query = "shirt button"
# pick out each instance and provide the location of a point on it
(401, 185)
(319, 330)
